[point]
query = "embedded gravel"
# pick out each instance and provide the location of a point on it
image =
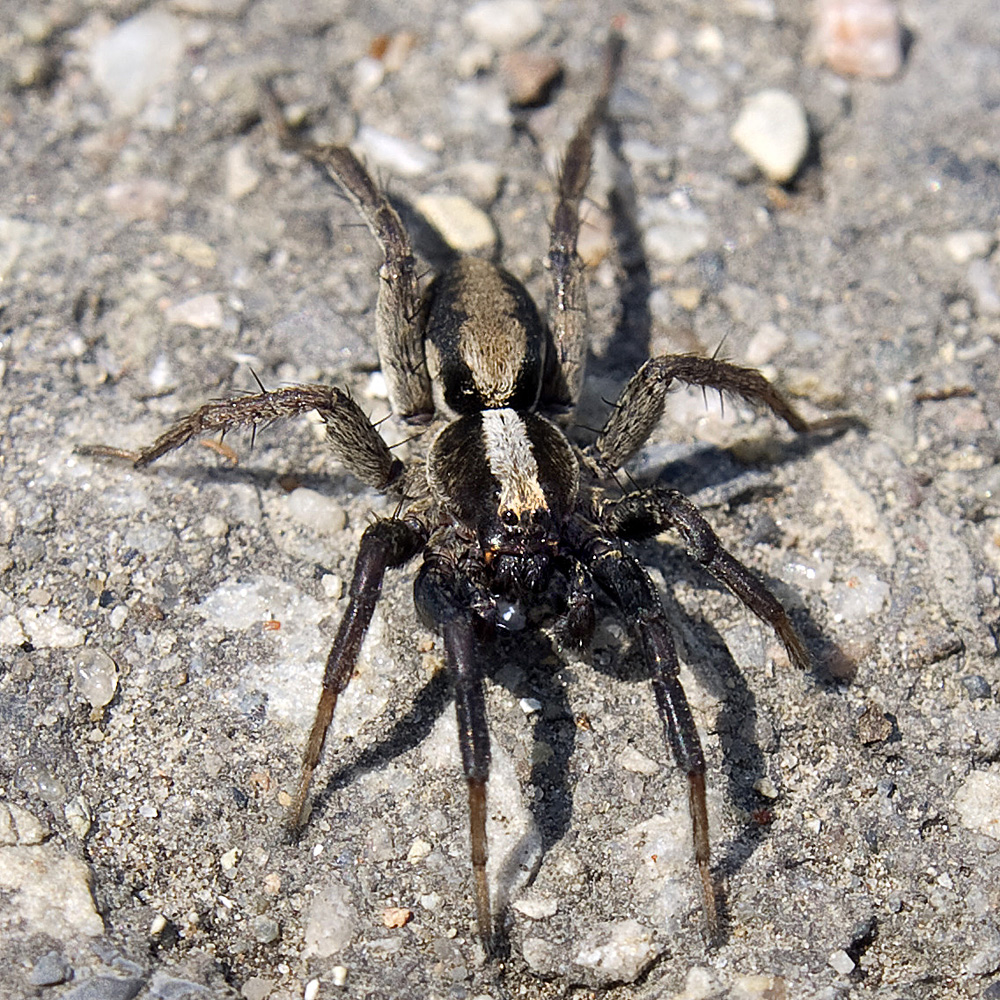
(162, 633)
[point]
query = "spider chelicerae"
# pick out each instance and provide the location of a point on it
(504, 508)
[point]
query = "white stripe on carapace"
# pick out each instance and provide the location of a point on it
(512, 462)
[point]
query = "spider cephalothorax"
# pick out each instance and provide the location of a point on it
(503, 506)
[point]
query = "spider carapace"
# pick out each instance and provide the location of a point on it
(503, 506)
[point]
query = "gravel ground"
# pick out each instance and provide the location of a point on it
(157, 248)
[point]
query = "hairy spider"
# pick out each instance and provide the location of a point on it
(503, 506)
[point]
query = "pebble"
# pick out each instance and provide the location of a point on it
(106, 988)
(419, 850)
(632, 760)
(11, 633)
(480, 179)
(765, 786)
(986, 958)
(316, 511)
(142, 198)
(773, 131)
(49, 891)
(675, 229)
(859, 596)
(50, 970)
(18, 826)
(265, 929)
(331, 922)
(401, 156)
(858, 37)
(977, 687)
(768, 342)
(191, 249)
(504, 24)
(96, 676)
(617, 953)
(978, 803)
(135, 58)
(464, 227)
(203, 312)
(241, 176)
(537, 907)
(968, 244)
(46, 631)
(529, 77)
(756, 987)
(257, 988)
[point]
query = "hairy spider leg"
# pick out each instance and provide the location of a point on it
(399, 312)
(567, 299)
(631, 589)
(648, 512)
(448, 609)
(385, 543)
(641, 404)
(356, 443)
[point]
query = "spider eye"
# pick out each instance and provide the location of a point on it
(509, 518)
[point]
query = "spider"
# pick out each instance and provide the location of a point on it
(505, 509)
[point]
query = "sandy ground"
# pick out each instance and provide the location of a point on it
(156, 245)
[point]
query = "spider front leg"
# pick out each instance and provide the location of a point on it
(399, 313)
(445, 602)
(567, 297)
(633, 592)
(355, 441)
(648, 512)
(641, 404)
(386, 543)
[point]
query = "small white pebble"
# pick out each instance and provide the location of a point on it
(968, 244)
(312, 988)
(765, 786)
(773, 131)
(96, 676)
(504, 24)
(229, 859)
(158, 925)
(409, 159)
(537, 908)
(419, 850)
(530, 706)
(317, 850)
(464, 226)
(118, 616)
(841, 962)
(638, 763)
(338, 975)
(203, 312)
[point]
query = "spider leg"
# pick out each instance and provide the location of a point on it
(630, 587)
(651, 511)
(445, 604)
(567, 295)
(357, 444)
(641, 404)
(386, 543)
(399, 313)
